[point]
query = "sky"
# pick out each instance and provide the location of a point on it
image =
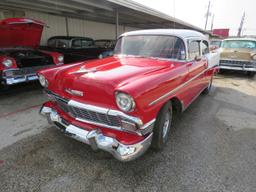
(227, 13)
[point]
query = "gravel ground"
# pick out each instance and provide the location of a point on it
(212, 148)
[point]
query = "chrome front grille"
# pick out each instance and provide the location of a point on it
(88, 115)
(235, 63)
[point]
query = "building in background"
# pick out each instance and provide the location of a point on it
(222, 33)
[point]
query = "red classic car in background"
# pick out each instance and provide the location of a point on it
(125, 103)
(19, 56)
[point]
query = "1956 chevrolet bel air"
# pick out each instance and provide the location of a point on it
(125, 103)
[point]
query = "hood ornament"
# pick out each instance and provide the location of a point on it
(74, 92)
(84, 70)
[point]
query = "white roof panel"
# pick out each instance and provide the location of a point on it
(182, 33)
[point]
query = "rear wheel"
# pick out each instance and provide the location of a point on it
(209, 87)
(162, 127)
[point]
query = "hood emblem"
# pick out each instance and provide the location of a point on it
(74, 92)
(84, 70)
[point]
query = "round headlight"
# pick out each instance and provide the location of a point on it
(43, 81)
(100, 56)
(254, 57)
(7, 62)
(60, 58)
(125, 102)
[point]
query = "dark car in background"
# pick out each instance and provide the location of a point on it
(76, 49)
(108, 44)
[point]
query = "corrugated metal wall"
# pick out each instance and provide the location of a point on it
(76, 27)
(56, 24)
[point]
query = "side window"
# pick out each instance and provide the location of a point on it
(194, 49)
(205, 47)
(77, 43)
(51, 43)
(87, 43)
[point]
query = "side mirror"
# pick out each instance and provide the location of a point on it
(198, 58)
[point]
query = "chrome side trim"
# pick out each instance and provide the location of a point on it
(177, 88)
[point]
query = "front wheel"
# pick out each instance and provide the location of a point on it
(162, 127)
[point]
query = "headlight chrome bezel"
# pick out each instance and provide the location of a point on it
(43, 81)
(129, 106)
(7, 63)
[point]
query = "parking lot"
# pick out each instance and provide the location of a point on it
(212, 147)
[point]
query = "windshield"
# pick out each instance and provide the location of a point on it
(167, 47)
(236, 44)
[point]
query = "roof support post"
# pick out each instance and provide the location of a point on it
(117, 23)
(67, 28)
(1, 15)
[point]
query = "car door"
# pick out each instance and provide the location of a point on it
(196, 67)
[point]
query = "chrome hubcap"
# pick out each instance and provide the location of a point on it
(166, 125)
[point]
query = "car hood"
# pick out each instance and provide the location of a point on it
(24, 32)
(99, 79)
(237, 54)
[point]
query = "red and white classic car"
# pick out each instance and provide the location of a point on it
(19, 54)
(125, 103)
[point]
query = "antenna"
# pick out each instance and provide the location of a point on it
(212, 22)
(207, 15)
(241, 25)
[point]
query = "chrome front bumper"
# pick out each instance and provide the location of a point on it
(238, 65)
(15, 76)
(19, 79)
(238, 68)
(96, 139)
(21, 75)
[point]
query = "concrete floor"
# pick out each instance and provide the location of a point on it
(212, 148)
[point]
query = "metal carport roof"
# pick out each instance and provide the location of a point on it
(123, 12)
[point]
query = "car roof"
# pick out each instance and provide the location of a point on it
(70, 37)
(182, 33)
(240, 39)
